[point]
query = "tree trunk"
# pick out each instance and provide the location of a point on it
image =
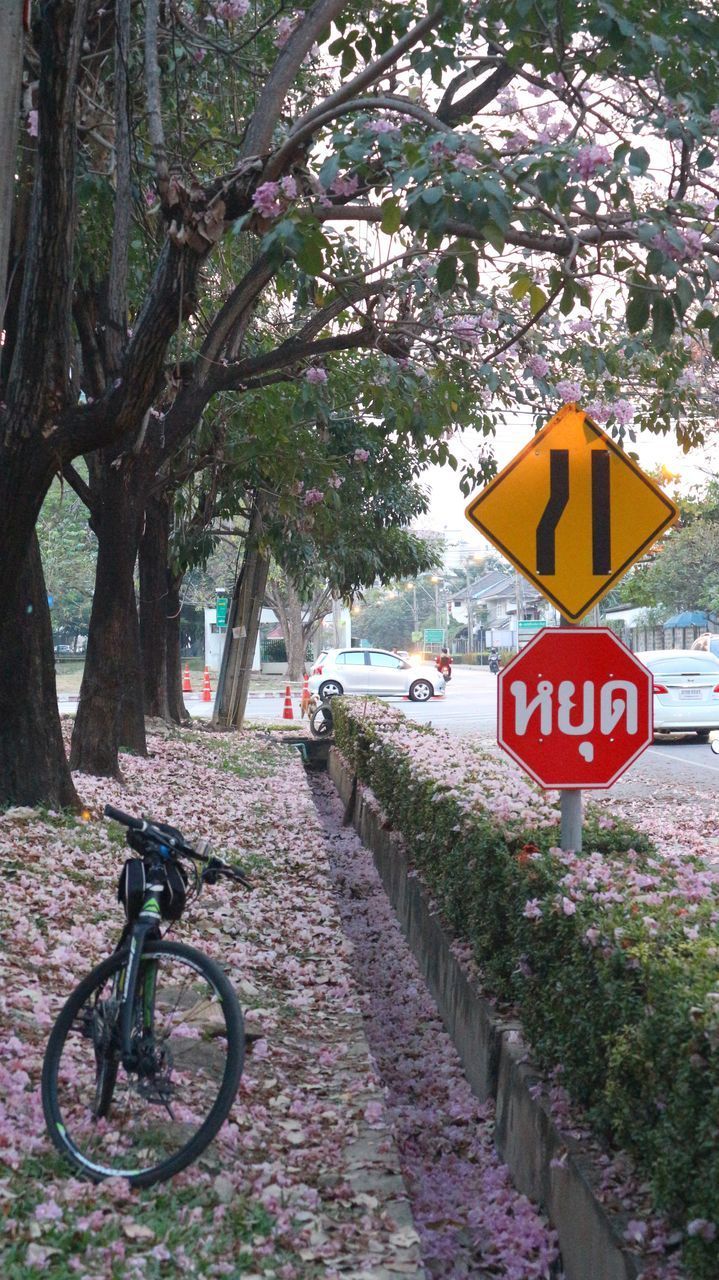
(33, 765)
(295, 637)
(154, 579)
(11, 45)
(110, 714)
(244, 617)
(175, 702)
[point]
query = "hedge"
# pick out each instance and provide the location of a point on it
(611, 956)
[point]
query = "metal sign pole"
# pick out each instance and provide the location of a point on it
(570, 802)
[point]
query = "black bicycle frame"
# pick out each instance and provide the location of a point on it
(147, 923)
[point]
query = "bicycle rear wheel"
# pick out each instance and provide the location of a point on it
(147, 1123)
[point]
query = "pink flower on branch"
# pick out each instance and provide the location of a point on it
(589, 160)
(361, 455)
(569, 392)
(537, 366)
(313, 497)
(315, 375)
(381, 126)
(265, 200)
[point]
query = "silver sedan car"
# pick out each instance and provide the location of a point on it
(686, 690)
(375, 671)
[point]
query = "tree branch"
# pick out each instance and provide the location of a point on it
(262, 125)
(117, 285)
(154, 100)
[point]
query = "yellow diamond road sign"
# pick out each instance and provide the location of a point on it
(572, 512)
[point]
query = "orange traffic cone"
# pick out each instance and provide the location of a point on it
(206, 690)
(305, 698)
(186, 681)
(287, 713)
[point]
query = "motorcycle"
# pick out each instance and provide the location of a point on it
(494, 665)
(445, 669)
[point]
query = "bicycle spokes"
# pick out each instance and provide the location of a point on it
(126, 1114)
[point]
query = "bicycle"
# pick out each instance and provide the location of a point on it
(144, 1060)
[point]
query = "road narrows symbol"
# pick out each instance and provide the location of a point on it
(558, 499)
(601, 528)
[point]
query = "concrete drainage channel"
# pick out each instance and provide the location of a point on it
(471, 1221)
(558, 1172)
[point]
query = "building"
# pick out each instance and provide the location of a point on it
(494, 603)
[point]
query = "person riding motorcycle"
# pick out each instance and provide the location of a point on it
(494, 661)
(443, 663)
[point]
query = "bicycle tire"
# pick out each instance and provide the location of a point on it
(214, 976)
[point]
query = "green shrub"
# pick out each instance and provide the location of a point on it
(611, 956)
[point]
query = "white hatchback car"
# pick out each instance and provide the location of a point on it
(375, 671)
(686, 690)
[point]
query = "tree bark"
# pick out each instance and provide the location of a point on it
(290, 618)
(33, 764)
(244, 616)
(175, 702)
(11, 45)
(154, 598)
(110, 714)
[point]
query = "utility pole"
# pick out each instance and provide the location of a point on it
(470, 620)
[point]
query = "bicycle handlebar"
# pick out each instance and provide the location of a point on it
(125, 818)
(212, 863)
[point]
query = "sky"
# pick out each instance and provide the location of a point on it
(446, 514)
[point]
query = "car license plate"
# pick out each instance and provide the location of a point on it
(690, 694)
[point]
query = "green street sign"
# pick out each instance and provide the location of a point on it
(434, 635)
(222, 608)
(530, 626)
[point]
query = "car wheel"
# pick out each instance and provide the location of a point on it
(703, 735)
(421, 691)
(330, 689)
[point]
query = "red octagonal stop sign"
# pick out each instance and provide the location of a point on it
(575, 708)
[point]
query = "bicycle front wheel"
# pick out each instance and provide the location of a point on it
(149, 1118)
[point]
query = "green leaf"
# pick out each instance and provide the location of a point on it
(537, 299)
(432, 195)
(705, 159)
(638, 309)
(639, 160)
(446, 274)
(494, 236)
(521, 287)
(391, 216)
(663, 322)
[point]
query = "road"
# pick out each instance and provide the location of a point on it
(470, 708)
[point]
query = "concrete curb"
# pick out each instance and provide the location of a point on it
(559, 1172)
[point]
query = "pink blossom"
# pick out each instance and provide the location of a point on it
(285, 27)
(315, 375)
(599, 412)
(232, 10)
(335, 481)
(703, 1228)
(360, 455)
(623, 411)
(589, 160)
(532, 909)
(346, 185)
(518, 141)
(690, 247)
(488, 320)
(465, 160)
(32, 123)
(537, 366)
(265, 200)
(570, 392)
(636, 1231)
(381, 126)
(466, 328)
(48, 1211)
(507, 102)
(313, 497)
(568, 907)
(199, 55)
(592, 936)
(289, 186)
